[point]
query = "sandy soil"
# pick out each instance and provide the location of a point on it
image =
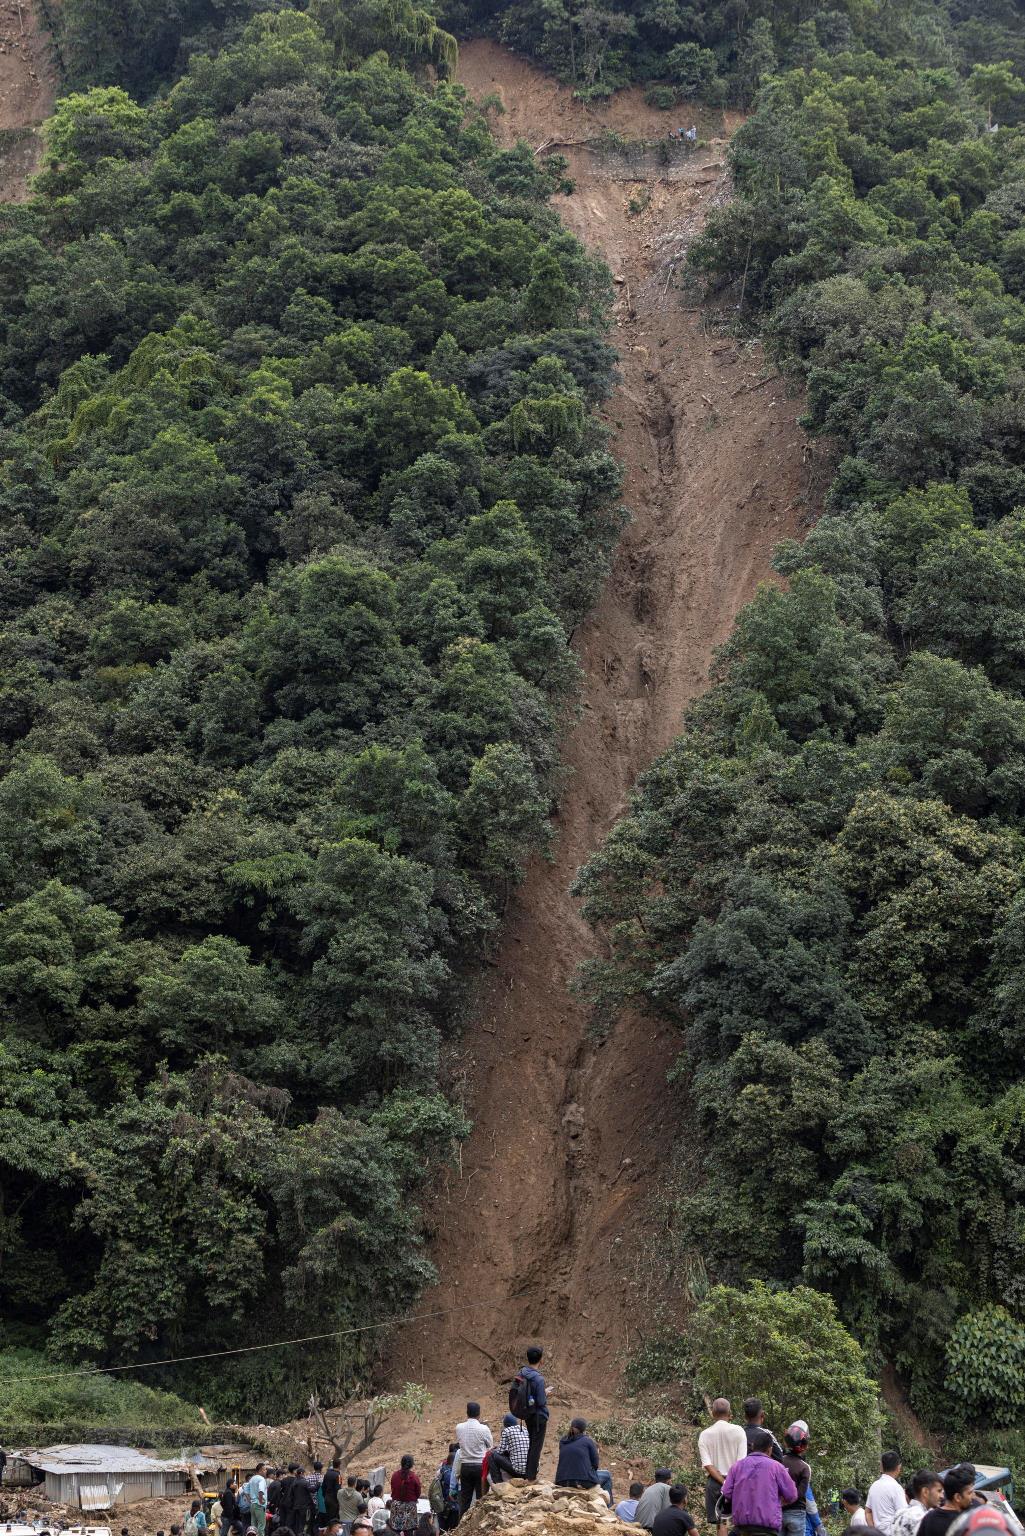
(543, 1231)
(28, 86)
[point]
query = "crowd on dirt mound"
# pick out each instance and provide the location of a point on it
(755, 1485)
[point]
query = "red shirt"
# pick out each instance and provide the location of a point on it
(405, 1487)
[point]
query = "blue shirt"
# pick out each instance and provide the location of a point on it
(626, 1509)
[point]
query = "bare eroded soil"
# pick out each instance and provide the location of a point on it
(28, 86)
(542, 1233)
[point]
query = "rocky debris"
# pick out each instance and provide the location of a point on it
(540, 1509)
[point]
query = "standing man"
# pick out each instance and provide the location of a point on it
(535, 1414)
(795, 1515)
(475, 1440)
(329, 1488)
(758, 1488)
(754, 1418)
(720, 1447)
(926, 1494)
(348, 1505)
(313, 1481)
(886, 1498)
(257, 1490)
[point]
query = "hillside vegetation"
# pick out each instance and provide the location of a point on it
(720, 50)
(300, 493)
(822, 881)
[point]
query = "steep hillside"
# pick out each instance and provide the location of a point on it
(543, 1230)
(28, 83)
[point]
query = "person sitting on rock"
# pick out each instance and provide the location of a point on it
(509, 1458)
(578, 1461)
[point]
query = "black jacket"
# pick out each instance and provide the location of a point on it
(578, 1461)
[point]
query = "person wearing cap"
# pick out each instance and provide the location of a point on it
(795, 1514)
(958, 1494)
(720, 1447)
(509, 1458)
(886, 1498)
(758, 1488)
(654, 1499)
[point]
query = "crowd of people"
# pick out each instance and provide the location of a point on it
(755, 1484)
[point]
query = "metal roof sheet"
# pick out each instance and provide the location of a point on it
(103, 1458)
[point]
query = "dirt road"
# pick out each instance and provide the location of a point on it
(543, 1232)
(28, 86)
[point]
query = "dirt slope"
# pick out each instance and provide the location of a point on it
(542, 1232)
(28, 86)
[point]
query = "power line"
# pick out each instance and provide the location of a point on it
(245, 1349)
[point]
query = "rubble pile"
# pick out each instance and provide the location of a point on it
(540, 1509)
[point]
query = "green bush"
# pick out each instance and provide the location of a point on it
(33, 1391)
(986, 1364)
(789, 1348)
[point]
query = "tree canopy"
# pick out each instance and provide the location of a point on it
(301, 493)
(822, 880)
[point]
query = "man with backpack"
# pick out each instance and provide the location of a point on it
(528, 1400)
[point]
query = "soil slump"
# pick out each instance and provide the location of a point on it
(28, 86)
(542, 1231)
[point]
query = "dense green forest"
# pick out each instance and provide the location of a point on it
(719, 50)
(300, 493)
(822, 881)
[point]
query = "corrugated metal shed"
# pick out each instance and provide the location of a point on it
(105, 1476)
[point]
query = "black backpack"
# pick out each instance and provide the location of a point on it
(521, 1399)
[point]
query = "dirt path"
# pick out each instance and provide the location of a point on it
(28, 88)
(545, 1223)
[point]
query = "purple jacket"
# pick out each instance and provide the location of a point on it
(758, 1487)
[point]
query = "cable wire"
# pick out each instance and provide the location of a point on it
(244, 1349)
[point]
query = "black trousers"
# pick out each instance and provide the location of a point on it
(470, 1483)
(537, 1427)
(501, 1465)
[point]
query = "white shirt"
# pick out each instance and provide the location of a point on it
(857, 1516)
(885, 1501)
(722, 1444)
(474, 1440)
(908, 1521)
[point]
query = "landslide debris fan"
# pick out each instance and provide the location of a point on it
(301, 490)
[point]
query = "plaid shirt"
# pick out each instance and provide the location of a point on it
(515, 1443)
